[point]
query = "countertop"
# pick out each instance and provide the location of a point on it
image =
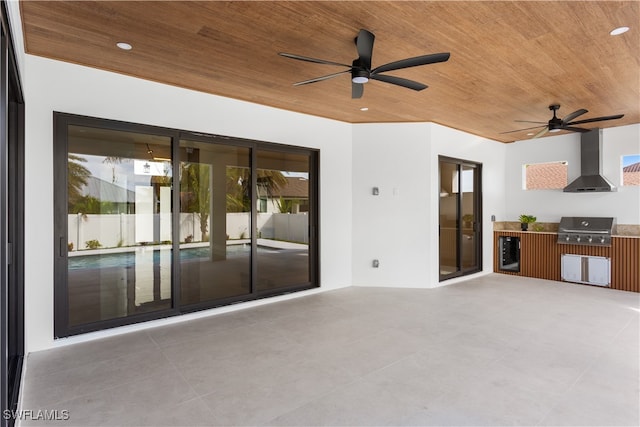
(622, 230)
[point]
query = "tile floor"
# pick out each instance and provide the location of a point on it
(496, 350)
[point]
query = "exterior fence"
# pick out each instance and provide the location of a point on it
(116, 230)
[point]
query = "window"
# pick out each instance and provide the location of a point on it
(545, 176)
(153, 222)
(631, 170)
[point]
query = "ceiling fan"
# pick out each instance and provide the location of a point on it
(556, 124)
(361, 71)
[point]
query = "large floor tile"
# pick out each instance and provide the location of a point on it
(255, 399)
(605, 395)
(93, 377)
(199, 328)
(484, 402)
(59, 359)
(383, 397)
(125, 404)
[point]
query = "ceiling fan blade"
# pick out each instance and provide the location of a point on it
(596, 119)
(410, 84)
(529, 121)
(364, 44)
(412, 62)
(520, 130)
(314, 60)
(542, 132)
(574, 129)
(319, 79)
(573, 115)
(357, 89)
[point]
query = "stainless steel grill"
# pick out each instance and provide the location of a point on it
(576, 230)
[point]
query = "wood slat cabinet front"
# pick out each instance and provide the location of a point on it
(540, 257)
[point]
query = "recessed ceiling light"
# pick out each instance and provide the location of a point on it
(124, 46)
(530, 133)
(619, 30)
(364, 109)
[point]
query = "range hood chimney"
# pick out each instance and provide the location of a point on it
(590, 179)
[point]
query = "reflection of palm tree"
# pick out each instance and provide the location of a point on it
(270, 180)
(196, 193)
(239, 186)
(194, 181)
(76, 178)
(113, 161)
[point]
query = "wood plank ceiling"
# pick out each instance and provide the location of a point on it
(509, 60)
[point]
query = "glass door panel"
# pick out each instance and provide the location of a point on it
(448, 218)
(283, 219)
(215, 221)
(119, 224)
(468, 216)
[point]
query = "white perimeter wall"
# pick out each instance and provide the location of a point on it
(551, 205)
(56, 86)
(399, 227)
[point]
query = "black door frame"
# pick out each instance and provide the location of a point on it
(477, 220)
(12, 224)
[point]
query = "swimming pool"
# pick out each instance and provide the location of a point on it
(128, 259)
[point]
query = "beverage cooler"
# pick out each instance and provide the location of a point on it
(509, 253)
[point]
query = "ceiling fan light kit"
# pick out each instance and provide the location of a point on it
(361, 71)
(359, 75)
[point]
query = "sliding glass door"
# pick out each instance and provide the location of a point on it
(460, 240)
(153, 222)
(12, 225)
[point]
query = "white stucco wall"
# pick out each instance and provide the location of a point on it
(399, 227)
(56, 86)
(393, 226)
(551, 205)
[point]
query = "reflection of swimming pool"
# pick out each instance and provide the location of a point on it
(128, 259)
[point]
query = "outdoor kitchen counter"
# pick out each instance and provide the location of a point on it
(622, 230)
(540, 256)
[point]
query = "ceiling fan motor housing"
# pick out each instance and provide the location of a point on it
(555, 122)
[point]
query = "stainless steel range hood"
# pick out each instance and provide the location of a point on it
(590, 179)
